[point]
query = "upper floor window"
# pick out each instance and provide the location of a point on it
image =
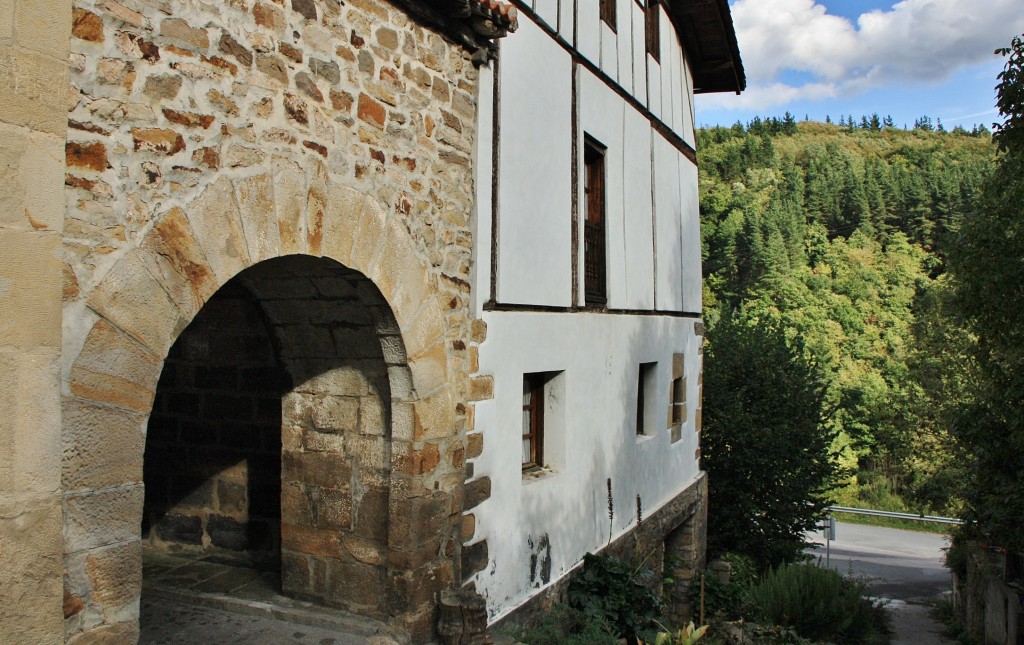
(594, 266)
(653, 29)
(608, 13)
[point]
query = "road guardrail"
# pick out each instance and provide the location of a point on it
(894, 514)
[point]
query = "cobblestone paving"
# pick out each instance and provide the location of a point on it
(169, 622)
(213, 602)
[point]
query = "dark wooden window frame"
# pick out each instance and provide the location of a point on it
(534, 433)
(595, 269)
(652, 29)
(607, 9)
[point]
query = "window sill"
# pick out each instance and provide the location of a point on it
(644, 438)
(536, 473)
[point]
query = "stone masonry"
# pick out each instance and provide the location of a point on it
(34, 39)
(204, 141)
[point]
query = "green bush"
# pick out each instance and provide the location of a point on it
(819, 604)
(564, 625)
(609, 591)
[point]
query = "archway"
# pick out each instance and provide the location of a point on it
(127, 322)
(270, 437)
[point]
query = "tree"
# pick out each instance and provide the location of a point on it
(989, 271)
(764, 447)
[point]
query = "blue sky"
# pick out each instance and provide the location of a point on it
(841, 57)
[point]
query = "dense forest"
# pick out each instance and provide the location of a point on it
(836, 239)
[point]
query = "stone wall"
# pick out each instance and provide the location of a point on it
(207, 138)
(34, 36)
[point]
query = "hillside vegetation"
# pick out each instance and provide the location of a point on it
(836, 238)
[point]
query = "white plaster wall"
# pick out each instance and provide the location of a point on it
(609, 51)
(484, 168)
(547, 10)
(567, 19)
(588, 31)
(678, 82)
(668, 214)
(691, 261)
(567, 508)
(601, 117)
(668, 36)
(639, 53)
(688, 125)
(653, 85)
(638, 225)
(534, 193)
(624, 43)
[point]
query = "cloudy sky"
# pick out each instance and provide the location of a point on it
(835, 57)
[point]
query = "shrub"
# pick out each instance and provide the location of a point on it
(725, 601)
(609, 591)
(819, 604)
(564, 625)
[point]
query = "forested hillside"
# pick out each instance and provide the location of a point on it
(836, 237)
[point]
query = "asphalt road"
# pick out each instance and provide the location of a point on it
(896, 564)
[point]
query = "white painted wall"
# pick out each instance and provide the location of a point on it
(690, 256)
(668, 214)
(534, 193)
(588, 31)
(653, 254)
(600, 356)
(638, 230)
(483, 163)
(547, 10)
(639, 45)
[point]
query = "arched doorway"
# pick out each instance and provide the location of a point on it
(270, 440)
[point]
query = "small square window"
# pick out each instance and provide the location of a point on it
(677, 398)
(646, 384)
(543, 422)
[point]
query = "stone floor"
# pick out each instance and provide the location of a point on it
(211, 600)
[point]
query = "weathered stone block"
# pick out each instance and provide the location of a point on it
(27, 97)
(96, 519)
(477, 491)
(29, 421)
(113, 368)
(323, 543)
(354, 583)
(433, 416)
(474, 559)
(133, 300)
(181, 529)
(32, 590)
(215, 221)
(115, 576)
(102, 445)
(32, 274)
(115, 634)
(227, 533)
(316, 469)
(178, 29)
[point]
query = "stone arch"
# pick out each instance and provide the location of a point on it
(154, 291)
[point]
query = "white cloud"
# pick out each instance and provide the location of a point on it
(916, 41)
